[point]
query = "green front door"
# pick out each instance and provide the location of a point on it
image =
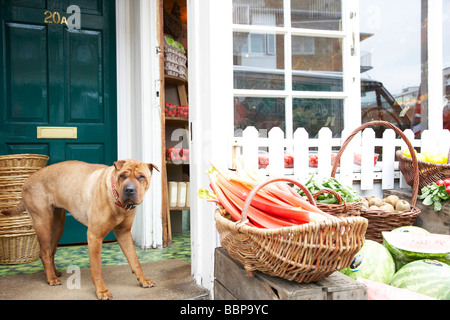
(58, 83)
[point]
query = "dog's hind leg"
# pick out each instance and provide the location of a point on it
(59, 216)
(43, 222)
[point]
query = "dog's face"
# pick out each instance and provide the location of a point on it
(132, 180)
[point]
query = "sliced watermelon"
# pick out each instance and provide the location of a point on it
(412, 229)
(406, 247)
(381, 291)
(428, 277)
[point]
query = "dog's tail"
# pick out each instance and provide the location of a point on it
(20, 208)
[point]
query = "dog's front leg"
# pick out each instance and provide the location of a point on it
(123, 235)
(95, 259)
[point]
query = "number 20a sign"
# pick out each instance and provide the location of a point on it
(73, 21)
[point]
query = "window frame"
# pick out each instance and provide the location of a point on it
(350, 56)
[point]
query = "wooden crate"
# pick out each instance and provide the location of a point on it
(232, 283)
(435, 222)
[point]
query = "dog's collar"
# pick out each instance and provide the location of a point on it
(117, 202)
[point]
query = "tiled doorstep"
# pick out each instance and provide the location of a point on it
(111, 255)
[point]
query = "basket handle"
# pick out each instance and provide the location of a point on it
(415, 189)
(337, 195)
(255, 190)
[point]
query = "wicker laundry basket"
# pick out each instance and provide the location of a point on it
(303, 253)
(380, 220)
(18, 240)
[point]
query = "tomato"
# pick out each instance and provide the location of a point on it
(447, 189)
(447, 182)
(313, 160)
(440, 182)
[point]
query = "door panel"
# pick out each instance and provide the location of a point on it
(53, 76)
(26, 51)
(86, 78)
(93, 153)
(28, 148)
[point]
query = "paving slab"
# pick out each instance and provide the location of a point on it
(172, 277)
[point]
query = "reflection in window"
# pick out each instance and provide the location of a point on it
(317, 64)
(261, 113)
(378, 104)
(316, 14)
(258, 12)
(258, 60)
(393, 57)
(313, 114)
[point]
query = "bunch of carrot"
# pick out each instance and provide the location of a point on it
(275, 205)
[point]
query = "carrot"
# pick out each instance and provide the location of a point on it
(235, 214)
(257, 217)
(265, 205)
(299, 202)
(261, 218)
(275, 205)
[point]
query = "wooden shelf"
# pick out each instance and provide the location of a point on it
(174, 80)
(179, 208)
(177, 119)
(177, 164)
(175, 92)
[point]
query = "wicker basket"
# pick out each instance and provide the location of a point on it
(304, 253)
(380, 220)
(23, 161)
(340, 209)
(428, 172)
(18, 240)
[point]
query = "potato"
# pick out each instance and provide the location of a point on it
(365, 203)
(392, 200)
(387, 207)
(375, 201)
(403, 205)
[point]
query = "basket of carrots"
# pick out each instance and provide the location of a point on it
(268, 227)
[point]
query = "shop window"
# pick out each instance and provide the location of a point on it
(314, 14)
(313, 114)
(261, 113)
(393, 60)
(258, 61)
(287, 55)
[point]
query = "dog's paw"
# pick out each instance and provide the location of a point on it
(146, 283)
(104, 295)
(54, 282)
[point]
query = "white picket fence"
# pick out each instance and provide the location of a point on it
(248, 148)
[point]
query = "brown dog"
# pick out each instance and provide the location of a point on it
(102, 198)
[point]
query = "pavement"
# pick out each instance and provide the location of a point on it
(172, 277)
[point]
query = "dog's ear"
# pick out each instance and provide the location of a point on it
(119, 164)
(151, 166)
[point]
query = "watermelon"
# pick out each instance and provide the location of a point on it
(428, 277)
(372, 262)
(406, 247)
(382, 291)
(412, 229)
